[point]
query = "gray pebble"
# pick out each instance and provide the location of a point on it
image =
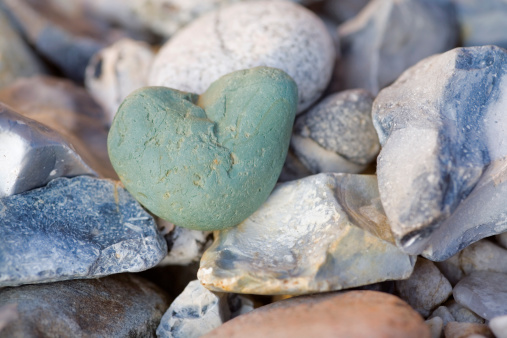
(461, 314)
(443, 313)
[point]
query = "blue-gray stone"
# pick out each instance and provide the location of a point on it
(75, 228)
(442, 171)
(483, 292)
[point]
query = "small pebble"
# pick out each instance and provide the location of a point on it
(443, 313)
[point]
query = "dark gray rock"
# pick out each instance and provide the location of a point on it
(115, 306)
(337, 135)
(32, 154)
(483, 292)
(482, 22)
(75, 228)
(441, 126)
(388, 36)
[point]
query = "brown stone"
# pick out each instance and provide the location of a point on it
(465, 330)
(350, 314)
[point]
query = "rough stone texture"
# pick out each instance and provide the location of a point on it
(32, 154)
(75, 228)
(115, 306)
(197, 311)
(351, 314)
(436, 326)
(443, 313)
(337, 135)
(69, 110)
(483, 292)
(467, 330)
(17, 60)
(311, 235)
(482, 22)
(442, 170)
(205, 162)
(461, 314)
(426, 288)
(116, 71)
(185, 246)
(276, 34)
(498, 326)
(387, 37)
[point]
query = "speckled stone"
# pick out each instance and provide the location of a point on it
(75, 228)
(276, 34)
(467, 330)
(425, 289)
(350, 314)
(115, 306)
(483, 292)
(205, 162)
(316, 234)
(388, 36)
(442, 170)
(116, 71)
(337, 135)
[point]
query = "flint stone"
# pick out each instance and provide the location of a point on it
(483, 292)
(461, 314)
(443, 313)
(311, 235)
(32, 154)
(115, 306)
(337, 135)
(69, 110)
(442, 170)
(75, 228)
(116, 71)
(248, 34)
(196, 312)
(387, 37)
(425, 289)
(436, 325)
(482, 22)
(498, 326)
(350, 314)
(467, 330)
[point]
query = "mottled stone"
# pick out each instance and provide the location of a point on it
(482, 22)
(17, 60)
(67, 109)
(461, 314)
(185, 246)
(32, 154)
(197, 311)
(114, 306)
(443, 313)
(350, 314)
(276, 34)
(498, 326)
(467, 330)
(436, 326)
(116, 71)
(387, 37)
(442, 170)
(483, 292)
(337, 135)
(311, 235)
(205, 162)
(75, 228)
(426, 288)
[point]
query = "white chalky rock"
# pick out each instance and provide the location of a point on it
(261, 33)
(116, 71)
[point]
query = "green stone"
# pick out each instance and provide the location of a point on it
(205, 162)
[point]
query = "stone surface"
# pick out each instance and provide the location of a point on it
(436, 326)
(337, 135)
(387, 37)
(276, 34)
(482, 22)
(114, 306)
(32, 154)
(461, 314)
(69, 110)
(425, 289)
(75, 228)
(467, 330)
(311, 235)
(205, 162)
(116, 71)
(498, 326)
(483, 292)
(351, 314)
(17, 60)
(442, 169)
(342, 10)
(185, 246)
(197, 311)
(444, 314)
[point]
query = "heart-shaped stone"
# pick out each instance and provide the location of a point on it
(205, 162)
